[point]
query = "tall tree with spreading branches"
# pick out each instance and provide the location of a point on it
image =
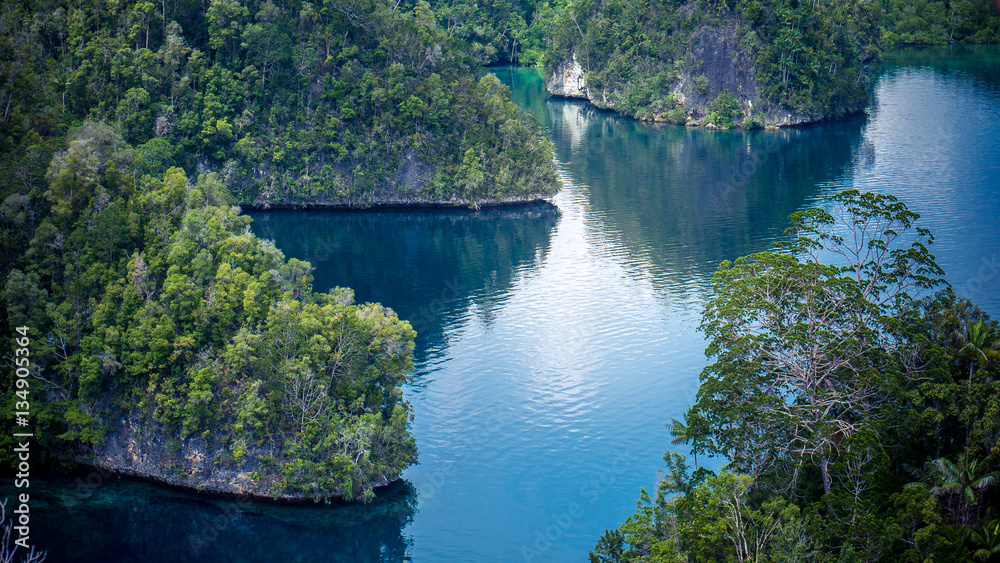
(806, 342)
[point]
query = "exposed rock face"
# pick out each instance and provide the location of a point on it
(781, 118)
(718, 63)
(139, 447)
(147, 452)
(406, 187)
(715, 62)
(567, 80)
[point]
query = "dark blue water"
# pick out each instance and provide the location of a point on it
(934, 141)
(556, 341)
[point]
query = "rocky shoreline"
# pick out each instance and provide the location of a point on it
(568, 80)
(403, 204)
(717, 61)
(144, 450)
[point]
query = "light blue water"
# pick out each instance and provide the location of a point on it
(555, 342)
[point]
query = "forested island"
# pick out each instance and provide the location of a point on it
(718, 62)
(166, 340)
(749, 64)
(855, 405)
(337, 103)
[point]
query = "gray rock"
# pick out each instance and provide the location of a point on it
(567, 80)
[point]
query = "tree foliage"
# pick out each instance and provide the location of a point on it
(939, 22)
(302, 102)
(857, 422)
(149, 300)
(813, 58)
(641, 58)
(808, 353)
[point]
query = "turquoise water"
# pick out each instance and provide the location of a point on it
(556, 341)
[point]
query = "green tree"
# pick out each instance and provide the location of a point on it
(225, 20)
(921, 529)
(825, 363)
(962, 482)
(806, 351)
(980, 343)
(986, 540)
(682, 434)
(723, 110)
(610, 548)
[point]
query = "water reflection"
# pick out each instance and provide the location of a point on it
(980, 62)
(124, 520)
(686, 200)
(428, 266)
(934, 144)
(680, 200)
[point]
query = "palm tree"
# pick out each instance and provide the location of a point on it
(980, 343)
(964, 478)
(682, 433)
(988, 540)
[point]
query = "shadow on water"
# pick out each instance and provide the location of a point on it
(90, 519)
(680, 199)
(687, 199)
(981, 62)
(428, 266)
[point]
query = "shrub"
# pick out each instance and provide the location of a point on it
(722, 110)
(754, 122)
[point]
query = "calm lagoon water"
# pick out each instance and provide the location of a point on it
(555, 341)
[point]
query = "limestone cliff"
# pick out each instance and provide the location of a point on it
(138, 446)
(674, 64)
(567, 80)
(142, 449)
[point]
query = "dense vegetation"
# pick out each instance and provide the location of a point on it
(655, 60)
(147, 298)
(644, 59)
(859, 420)
(332, 101)
(150, 305)
(499, 31)
(516, 32)
(939, 22)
